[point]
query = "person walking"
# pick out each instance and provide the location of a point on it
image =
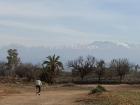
(38, 86)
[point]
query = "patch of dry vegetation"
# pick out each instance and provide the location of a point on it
(99, 89)
(120, 96)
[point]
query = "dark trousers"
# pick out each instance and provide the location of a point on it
(38, 89)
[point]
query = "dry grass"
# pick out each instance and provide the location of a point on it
(123, 95)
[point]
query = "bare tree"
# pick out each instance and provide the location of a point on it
(82, 66)
(100, 69)
(121, 66)
(136, 67)
(26, 71)
(2, 68)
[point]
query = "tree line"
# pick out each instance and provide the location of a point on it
(83, 67)
(52, 68)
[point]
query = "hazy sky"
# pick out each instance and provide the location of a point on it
(68, 22)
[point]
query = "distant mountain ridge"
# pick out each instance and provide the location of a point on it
(100, 49)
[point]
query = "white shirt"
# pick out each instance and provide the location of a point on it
(38, 82)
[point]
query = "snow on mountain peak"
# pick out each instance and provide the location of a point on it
(108, 44)
(123, 44)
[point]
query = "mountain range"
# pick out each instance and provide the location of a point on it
(106, 50)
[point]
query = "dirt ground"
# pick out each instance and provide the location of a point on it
(13, 95)
(55, 96)
(46, 98)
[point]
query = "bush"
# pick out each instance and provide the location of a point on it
(98, 89)
(101, 88)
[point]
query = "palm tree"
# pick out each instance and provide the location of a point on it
(52, 66)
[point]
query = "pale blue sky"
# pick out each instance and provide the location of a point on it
(68, 22)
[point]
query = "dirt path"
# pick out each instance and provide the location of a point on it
(61, 97)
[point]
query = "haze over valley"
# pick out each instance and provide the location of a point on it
(106, 50)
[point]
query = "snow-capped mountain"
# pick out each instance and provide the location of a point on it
(108, 45)
(100, 49)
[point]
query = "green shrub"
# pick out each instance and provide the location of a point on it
(98, 89)
(101, 88)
